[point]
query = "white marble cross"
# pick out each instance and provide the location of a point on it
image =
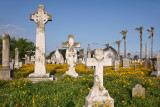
(98, 93)
(98, 62)
(41, 18)
(71, 42)
(71, 55)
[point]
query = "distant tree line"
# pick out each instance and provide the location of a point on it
(24, 46)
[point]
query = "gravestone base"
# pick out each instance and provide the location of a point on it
(6, 73)
(40, 77)
(125, 62)
(98, 96)
(155, 74)
(71, 73)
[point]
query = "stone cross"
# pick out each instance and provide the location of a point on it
(71, 55)
(16, 65)
(138, 90)
(5, 72)
(41, 17)
(98, 93)
(146, 51)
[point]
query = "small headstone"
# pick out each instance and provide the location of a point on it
(125, 62)
(135, 66)
(11, 66)
(20, 64)
(156, 66)
(116, 65)
(138, 90)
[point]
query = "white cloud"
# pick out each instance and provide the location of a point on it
(15, 31)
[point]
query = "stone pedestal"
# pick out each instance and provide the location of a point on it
(125, 62)
(98, 94)
(5, 71)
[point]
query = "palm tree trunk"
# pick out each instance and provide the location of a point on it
(125, 47)
(140, 49)
(152, 48)
(118, 51)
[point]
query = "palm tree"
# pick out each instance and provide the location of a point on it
(107, 44)
(124, 37)
(118, 43)
(140, 29)
(151, 35)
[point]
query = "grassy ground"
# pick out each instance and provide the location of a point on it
(71, 92)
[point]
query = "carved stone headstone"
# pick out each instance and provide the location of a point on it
(98, 93)
(156, 66)
(5, 71)
(138, 90)
(16, 65)
(33, 59)
(125, 62)
(116, 65)
(71, 55)
(41, 17)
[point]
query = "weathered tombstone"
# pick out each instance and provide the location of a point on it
(116, 65)
(98, 93)
(16, 65)
(20, 64)
(135, 66)
(11, 66)
(71, 55)
(156, 66)
(125, 62)
(27, 59)
(41, 17)
(33, 59)
(5, 71)
(139, 91)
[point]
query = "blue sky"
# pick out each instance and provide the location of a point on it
(96, 22)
